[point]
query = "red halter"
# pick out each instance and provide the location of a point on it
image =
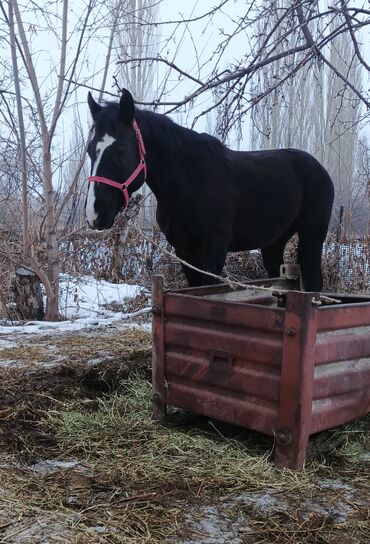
(141, 166)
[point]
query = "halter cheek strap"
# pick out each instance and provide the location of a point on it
(141, 166)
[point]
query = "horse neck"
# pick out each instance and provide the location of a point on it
(167, 158)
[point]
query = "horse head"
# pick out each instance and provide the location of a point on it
(117, 156)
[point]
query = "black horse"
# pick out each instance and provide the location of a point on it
(211, 199)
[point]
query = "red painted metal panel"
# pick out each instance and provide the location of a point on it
(250, 346)
(235, 313)
(341, 377)
(239, 411)
(343, 316)
(333, 411)
(237, 377)
(341, 345)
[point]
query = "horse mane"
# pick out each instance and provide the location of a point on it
(179, 140)
(168, 134)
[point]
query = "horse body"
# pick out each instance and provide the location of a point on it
(211, 200)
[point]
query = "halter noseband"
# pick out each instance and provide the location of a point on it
(141, 166)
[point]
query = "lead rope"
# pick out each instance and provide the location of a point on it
(232, 283)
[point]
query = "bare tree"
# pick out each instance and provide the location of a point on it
(49, 96)
(21, 134)
(314, 110)
(311, 46)
(137, 36)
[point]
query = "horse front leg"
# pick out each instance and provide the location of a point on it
(193, 266)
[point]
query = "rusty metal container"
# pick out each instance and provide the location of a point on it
(274, 362)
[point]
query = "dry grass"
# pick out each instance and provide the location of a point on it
(132, 480)
(144, 451)
(123, 445)
(75, 348)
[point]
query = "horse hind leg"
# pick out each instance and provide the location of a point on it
(273, 255)
(312, 229)
(309, 257)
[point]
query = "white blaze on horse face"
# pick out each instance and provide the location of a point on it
(101, 146)
(90, 212)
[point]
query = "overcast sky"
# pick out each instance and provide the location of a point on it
(191, 47)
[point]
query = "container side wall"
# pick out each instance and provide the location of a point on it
(342, 366)
(222, 359)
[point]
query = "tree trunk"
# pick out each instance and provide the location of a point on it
(26, 287)
(120, 235)
(21, 137)
(52, 312)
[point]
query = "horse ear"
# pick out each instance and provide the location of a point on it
(126, 107)
(93, 106)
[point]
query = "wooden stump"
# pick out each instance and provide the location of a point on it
(27, 291)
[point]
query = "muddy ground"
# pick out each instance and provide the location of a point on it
(82, 462)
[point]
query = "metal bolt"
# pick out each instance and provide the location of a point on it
(284, 437)
(291, 331)
(156, 310)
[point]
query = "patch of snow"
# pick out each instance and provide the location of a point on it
(51, 466)
(84, 302)
(43, 530)
(220, 522)
(335, 485)
(9, 363)
(85, 296)
(103, 529)
(211, 525)
(364, 456)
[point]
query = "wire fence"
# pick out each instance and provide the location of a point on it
(346, 265)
